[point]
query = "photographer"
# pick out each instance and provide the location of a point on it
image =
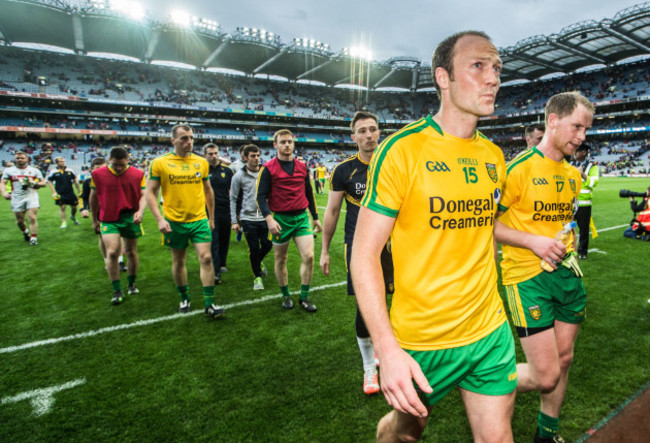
(640, 225)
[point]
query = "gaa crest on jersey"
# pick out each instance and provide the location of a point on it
(223, 175)
(535, 312)
(492, 171)
(572, 184)
(198, 175)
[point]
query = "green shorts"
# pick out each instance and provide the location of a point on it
(124, 227)
(183, 233)
(536, 303)
(486, 367)
(291, 226)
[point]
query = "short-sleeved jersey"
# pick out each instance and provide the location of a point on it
(63, 180)
(443, 192)
(541, 196)
(17, 177)
(321, 170)
(350, 176)
(181, 181)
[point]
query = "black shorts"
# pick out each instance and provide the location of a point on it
(386, 267)
(67, 199)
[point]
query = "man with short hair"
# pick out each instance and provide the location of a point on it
(97, 163)
(284, 193)
(589, 174)
(117, 202)
(220, 179)
(61, 181)
(184, 179)
(348, 181)
(24, 180)
(433, 188)
(541, 196)
(250, 219)
(534, 134)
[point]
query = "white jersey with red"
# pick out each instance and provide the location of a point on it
(22, 181)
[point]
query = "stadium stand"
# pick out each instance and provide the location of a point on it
(81, 105)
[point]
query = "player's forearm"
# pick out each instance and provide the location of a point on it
(329, 228)
(370, 293)
(152, 204)
(512, 237)
(94, 205)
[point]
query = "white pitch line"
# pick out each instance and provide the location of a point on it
(151, 321)
(42, 399)
(612, 227)
(51, 341)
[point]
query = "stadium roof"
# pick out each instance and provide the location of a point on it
(204, 44)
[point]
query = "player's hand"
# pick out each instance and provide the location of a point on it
(274, 227)
(549, 250)
(137, 217)
(325, 263)
(398, 372)
(571, 263)
(317, 227)
(163, 226)
(96, 226)
(211, 223)
(235, 227)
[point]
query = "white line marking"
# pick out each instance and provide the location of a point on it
(598, 251)
(612, 227)
(51, 341)
(151, 321)
(42, 400)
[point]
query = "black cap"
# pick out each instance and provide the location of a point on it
(583, 147)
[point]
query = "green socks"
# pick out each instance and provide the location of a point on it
(208, 295)
(116, 285)
(304, 291)
(285, 291)
(184, 291)
(548, 426)
(130, 279)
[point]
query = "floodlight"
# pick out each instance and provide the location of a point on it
(358, 52)
(180, 17)
(129, 8)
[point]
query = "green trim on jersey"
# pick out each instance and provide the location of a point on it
(521, 157)
(378, 158)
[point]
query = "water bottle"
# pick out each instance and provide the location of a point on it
(562, 236)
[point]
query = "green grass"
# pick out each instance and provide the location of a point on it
(261, 374)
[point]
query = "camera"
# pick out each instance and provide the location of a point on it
(624, 193)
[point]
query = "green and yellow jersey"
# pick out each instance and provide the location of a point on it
(181, 181)
(540, 197)
(443, 192)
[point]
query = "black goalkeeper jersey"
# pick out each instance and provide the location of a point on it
(350, 176)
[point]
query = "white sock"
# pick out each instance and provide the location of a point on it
(367, 352)
(120, 259)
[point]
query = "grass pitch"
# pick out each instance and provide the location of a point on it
(75, 368)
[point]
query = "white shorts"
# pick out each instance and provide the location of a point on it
(22, 204)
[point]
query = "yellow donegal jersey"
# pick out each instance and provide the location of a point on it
(443, 192)
(181, 181)
(541, 196)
